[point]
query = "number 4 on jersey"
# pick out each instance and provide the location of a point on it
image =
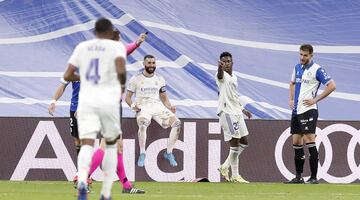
(92, 73)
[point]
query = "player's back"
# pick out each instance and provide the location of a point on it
(97, 70)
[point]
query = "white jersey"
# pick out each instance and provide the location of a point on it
(229, 97)
(95, 60)
(146, 89)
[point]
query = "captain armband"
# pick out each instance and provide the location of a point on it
(162, 89)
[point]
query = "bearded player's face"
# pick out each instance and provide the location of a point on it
(150, 65)
(305, 57)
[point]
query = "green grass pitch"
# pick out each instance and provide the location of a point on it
(41, 190)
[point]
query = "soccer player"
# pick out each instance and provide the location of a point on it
(152, 102)
(101, 66)
(73, 107)
(231, 119)
(304, 85)
(99, 153)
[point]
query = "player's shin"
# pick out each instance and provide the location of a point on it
(314, 158)
(173, 136)
(234, 158)
(96, 160)
(108, 166)
(234, 161)
(299, 159)
(142, 138)
(226, 163)
(121, 172)
(84, 160)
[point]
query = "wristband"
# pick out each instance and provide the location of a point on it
(53, 101)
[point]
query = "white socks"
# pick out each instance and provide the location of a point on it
(173, 136)
(84, 160)
(109, 165)
(234, 158)
(226, 163)
(142, 138)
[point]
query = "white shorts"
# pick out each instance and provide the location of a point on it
(94, 120)
(233, 126)
(156, 111)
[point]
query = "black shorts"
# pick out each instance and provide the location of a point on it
(73, 125)
(304, 123)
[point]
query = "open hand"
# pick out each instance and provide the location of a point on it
(247, 113)
(51, 109)
(309, 102)
(141, 38)
(173, 109)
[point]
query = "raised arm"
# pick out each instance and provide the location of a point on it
(220, 72)
(132, 46)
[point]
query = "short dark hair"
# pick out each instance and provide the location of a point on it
(103, 25)
(148, 56)
(225, 54)
(307, 47)
(116, 31)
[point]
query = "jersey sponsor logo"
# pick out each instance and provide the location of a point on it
(304, 121)
(148, 90)
(305, 81)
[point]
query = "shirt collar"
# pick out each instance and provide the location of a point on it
(308, 65)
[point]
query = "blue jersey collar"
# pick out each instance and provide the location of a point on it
(308, 65)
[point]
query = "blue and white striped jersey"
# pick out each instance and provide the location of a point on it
(307, 79)
(75, 93)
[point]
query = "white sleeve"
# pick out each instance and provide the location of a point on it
(75, 57)
(62, 80)
(120, 50)
(132, 84)
(162, 82)
(293, 76)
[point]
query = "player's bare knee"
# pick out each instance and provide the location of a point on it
(89, 142)
(243, 141)
(111, 141)
(175, 122)
(309, 138)
(143, 123)
(297, 139)
(120, 145)
(102, 143)
(77, 141)
(234, 142)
